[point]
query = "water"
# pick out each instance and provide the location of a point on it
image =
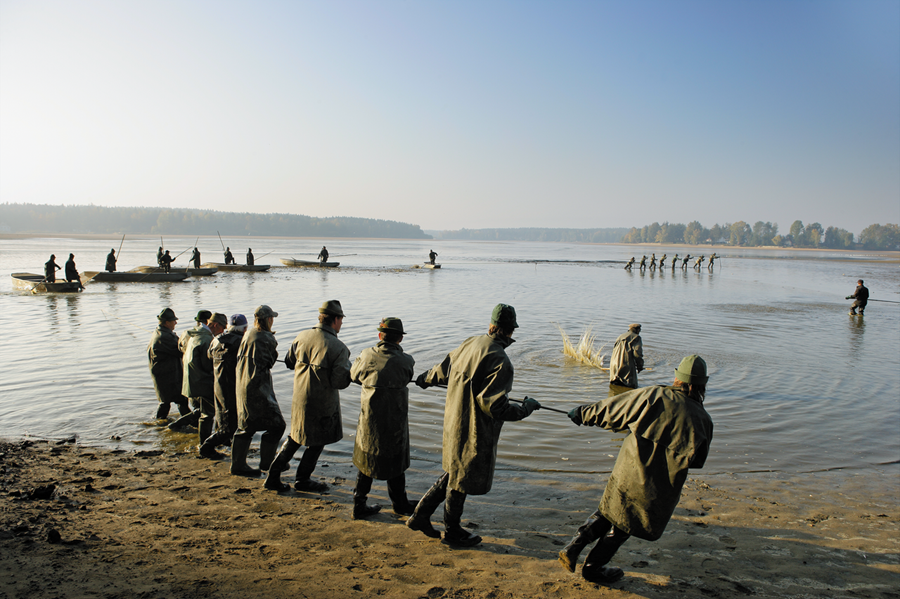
(795, 383)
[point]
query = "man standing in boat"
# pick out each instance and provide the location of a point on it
(249, 256)
(479, 376)
(72, 275)
(321, 365)
(165, 365)
(166, 261)
(229, 257)
(50, 268)
(111, 260)
(431, 256)
(195, 258)
(323, 255)
(627, 358)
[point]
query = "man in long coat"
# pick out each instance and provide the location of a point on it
(223, 351)
(250, 259)
(195, 258)
(165, 365)
(627, 358)
(71, 271)
(669, 432)
(321, 365)
(111, 260)
(479, 376)
(381, 447)
(50, 268)
(198, 373)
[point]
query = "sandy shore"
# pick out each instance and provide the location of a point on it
(79, 521)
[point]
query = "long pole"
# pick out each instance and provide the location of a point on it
(518, 401)
(885, 301)
(220, 240)
(120, 246)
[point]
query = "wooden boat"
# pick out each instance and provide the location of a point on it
(133, 276)
(237, 267)
(432, 266)
(191, 272)
(293, 262)
(27, 281)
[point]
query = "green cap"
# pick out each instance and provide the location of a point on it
(504, 316)
(332, 308)
(203, 316)
(265, 311)
(692, 370)
(391, 325)
(219, 318)
(166, 315)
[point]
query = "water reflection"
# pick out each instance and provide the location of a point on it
(857, 327)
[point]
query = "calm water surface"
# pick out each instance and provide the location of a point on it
(796, 384)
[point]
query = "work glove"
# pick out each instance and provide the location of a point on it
(420, 381)
(530, 405)
(575, 415)
(849, 297)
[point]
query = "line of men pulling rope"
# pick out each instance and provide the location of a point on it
(662, 262)
(219, 376)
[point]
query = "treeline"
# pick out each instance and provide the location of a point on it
(873, 237)
(536, 234)
(39, 218)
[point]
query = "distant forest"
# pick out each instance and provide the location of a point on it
(38, 218)
(873, 237)
(536, 234)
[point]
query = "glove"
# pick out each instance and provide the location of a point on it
(849, 297)
(575, 415)
(530, 405)
(420, 381)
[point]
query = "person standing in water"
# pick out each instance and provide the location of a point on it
(861, 295)
(627, 358)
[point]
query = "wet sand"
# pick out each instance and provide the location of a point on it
(81, 521)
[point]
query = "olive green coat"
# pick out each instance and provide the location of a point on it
(165, 365)
(256, 404)
(669, 433)
(627, 360)
(381, 449)
(223, 351)
(321, 365)
(479, 376)
(198, 367)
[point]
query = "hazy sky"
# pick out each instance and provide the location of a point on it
(458, 114)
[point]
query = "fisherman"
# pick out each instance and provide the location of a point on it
(167, 261)
(200, 320)
(195, 258)
(861, 295)
(323, 255)
(111, 261)
(198, 373)
(627, 358)
(479, 377)
(381, 446)
(432, 255)
(223, 352)
(192, 418)
(249, 256)
(684, 262)
(229, 257)
(257, 406)
(321, 365)
(643, 264)
(712, 260)
(71, 270)
(668, 431)
(699, 262)
(653, 262)
(674, 262)
(629, 264)
(159, 257)
(662, 262)
(50, 268)
(165, 365)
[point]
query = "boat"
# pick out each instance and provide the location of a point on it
(191, 272)
(293, 262)
(432, 266)
(133, 276)
(237, 267)
(27, 281)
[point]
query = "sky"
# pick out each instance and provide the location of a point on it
(464, 114)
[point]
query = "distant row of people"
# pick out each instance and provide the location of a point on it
(662, 262)
(219, 372)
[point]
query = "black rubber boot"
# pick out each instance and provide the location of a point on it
(278, 465)
(454, 534)
(397, 492)
(305, 469)
(360, 493)
(208, 448)
(267, 449)
(240, 445)
(595, 527)
(188, 420)
(421, 518)
(205, 428)
(162, 412)
(595, 568)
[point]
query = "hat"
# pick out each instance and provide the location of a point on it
(692, 370)
(634, 326)
(219, 318)
(391, 325)
(504, 316)
(203, 316)
(332, 308)
(166, 315)
(237, 320)
(265, 311)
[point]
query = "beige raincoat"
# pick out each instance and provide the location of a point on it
(627, 360)
(256, 404)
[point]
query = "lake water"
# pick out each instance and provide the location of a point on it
(795, 383)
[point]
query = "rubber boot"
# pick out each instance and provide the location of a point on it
(183, 408)
(397, 492)
(595, 568)
(205, 429)
(208, 448)
(594, 527)
(360, 493)
(454, 534)
(421, 518)
(278, 465)
(162, 412)
(188, 420)
(305, 469)
(240, 445)
(267, 450)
